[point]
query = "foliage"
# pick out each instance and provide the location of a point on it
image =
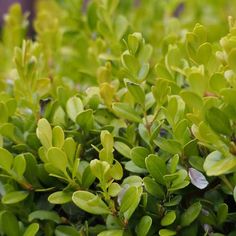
(119, 119)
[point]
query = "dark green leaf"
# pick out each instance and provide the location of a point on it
(144, 225)
(44, 215)
(218, 121)
(31, 230)
(168, 218)
(14, 197)
(125, 111)
(191, 214)
(10, 224)
(156, 167)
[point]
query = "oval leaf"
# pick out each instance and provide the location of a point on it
(73, 107)
(14, 197)
(125, 111)
(144, 225)
(168, 218)
(57, 158)
(197, 178)
(44, 215)
(60, 197)
(6, 159)
(44, 133)
(31, 230)
(191, 214)
(90, 203)
(218, 121)
(156, 167)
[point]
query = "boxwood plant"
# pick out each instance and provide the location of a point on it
(118, 118)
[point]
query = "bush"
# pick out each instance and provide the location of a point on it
(108, 131)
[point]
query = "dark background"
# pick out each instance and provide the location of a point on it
(27, 5)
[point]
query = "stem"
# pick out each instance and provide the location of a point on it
(148, 124)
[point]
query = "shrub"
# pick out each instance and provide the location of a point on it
(105, 130)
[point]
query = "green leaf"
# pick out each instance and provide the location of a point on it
(4, 113)
(218, 121)
(133, 180)
(10, 224)
(44, 133)
(175, 109)
(90, 203)
(57, 158)
(107, 140)
(114, 189)
(70, 148)
(178, 180)
(19, 165)
(215, 164)
(125, 111)
(11, 106)
(107, 92)
(229, 95)
(169, 145)
(131, 63)
(232, 59)
(31, 230)
(143, 72)
(133, 42)
(130, 201)
(106, 155)
(6, 159)
(218, 82)
(173, 57)
(144, 226)
(161, 91)
(14, 197)
(138, 155)
(156, 167)
(153, 187)
(168, 218)
(131, 167)
(59, 117)
(122, 148)
(234, 193)
(166, 232)
(57, 137)
(73, 107)
(64, 230)
(44, 215)
(197, 162)
(136, 91)
(114, 232)
(116, 171)
(100, 169)
(204, 53)
(174, 201)
(192, 100)
(60, 197)
(87, 177)
(191, 214)
(222, 213)
(92, 15)
(85, 120)
(145, 53)
(173, 163)
(111, 5)
(8, 130)
(120, 27)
